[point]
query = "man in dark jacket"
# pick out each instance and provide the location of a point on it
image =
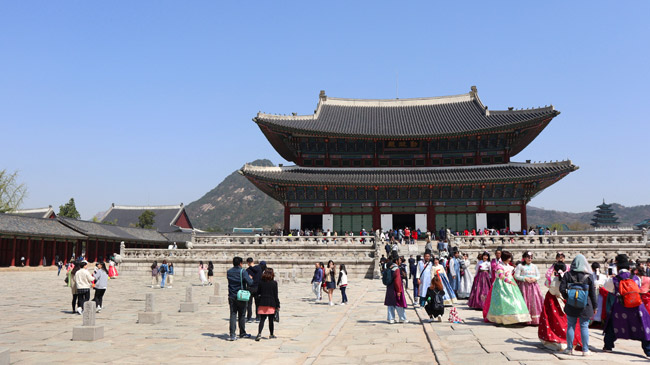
(254, 273)
(238, 279)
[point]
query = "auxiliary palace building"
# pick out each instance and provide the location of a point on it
(424, 163)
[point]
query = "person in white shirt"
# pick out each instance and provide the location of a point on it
(84, 281)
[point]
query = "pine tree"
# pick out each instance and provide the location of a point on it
(69, 210)
(146, 219)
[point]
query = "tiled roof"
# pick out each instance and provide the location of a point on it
(178, 236)
(421, 117)
(127, 216)
(389, 176)
(100, 230)
(23, 225)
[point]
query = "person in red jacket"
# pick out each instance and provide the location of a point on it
(395, 298)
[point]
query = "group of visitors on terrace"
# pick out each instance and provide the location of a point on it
(507, 292)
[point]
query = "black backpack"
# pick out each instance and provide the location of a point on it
(163, 269)
(387, 276)
(438, 301)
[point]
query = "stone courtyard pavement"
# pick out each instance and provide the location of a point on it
(36, 327)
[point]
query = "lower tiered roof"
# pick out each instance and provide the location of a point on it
(410, 176)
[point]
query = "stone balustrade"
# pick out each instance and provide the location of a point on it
(291, 257)
(294, 257)
(564, 239)
(211, 240)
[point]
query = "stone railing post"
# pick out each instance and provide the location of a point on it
(89, 331)
(376, 273)
(149, 316)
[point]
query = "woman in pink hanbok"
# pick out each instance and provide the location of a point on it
(526, 274)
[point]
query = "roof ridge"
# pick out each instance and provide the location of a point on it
(31, 210)
(356, 102)
(138, 207)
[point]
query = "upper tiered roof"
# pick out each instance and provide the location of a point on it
(409, 118)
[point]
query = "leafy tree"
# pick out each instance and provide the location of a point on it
(69, 210)
(12, 193)
(146, 219)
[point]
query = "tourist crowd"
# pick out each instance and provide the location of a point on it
(80, 281)
(507, 292)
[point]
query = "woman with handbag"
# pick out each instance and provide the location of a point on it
(269, 303)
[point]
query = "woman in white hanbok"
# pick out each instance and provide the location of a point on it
(466, 278)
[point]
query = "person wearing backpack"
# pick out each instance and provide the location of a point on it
(435, 300)
(395, 298)
(578, 288)
(164, 270)
(628, 318)
(553, 321)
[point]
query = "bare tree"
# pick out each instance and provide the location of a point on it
(12, 193)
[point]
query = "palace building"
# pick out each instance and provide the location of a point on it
(423, 163)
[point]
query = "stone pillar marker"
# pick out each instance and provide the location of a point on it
(89, 331)
(188, 305)
(216, 298)
(4, 356)
(149, 316)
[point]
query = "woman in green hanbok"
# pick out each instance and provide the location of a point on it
(507, 305)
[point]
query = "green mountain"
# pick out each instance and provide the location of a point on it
(235, 202)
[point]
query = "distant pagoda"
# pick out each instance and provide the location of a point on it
(604, 216)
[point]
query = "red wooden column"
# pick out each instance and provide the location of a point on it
(65, 254)
(376, 219)
(13, 252)
(431, 219)
(286, 219)
(41, 252)
(106, 253)
(29, 251)
(4, 251)
(53, 252)
(94, 247)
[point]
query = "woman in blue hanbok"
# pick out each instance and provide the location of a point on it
(454, 270)
(450, 296)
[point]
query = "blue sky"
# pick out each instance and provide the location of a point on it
(150, 102)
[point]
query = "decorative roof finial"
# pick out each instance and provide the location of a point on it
(322, 95)
(474, 89)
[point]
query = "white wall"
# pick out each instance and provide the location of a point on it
(421, 222)
(328, 222)
(386, 222)
(481, 221)
(294, 221)
(515, 222)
